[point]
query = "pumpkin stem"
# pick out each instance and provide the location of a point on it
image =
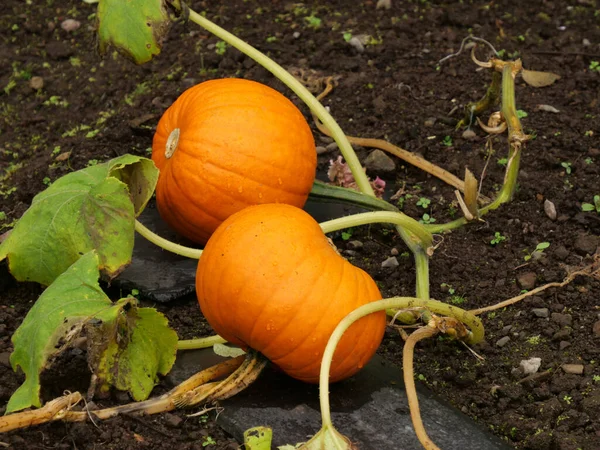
(397, 218)
(475, 335)
(409, 383)
(195, 344)
(188, 252)
(172, 142)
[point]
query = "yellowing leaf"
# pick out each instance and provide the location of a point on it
(91, 209)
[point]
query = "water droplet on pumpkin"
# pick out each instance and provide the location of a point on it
(260, 195)
(279, 181)
(360, 366)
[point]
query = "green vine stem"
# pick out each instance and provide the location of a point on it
(470, 320)
(490, 98)
(194, 344)
(516, 138)
(421, 255)
(188, 252)
(297, 87)
(407, 223)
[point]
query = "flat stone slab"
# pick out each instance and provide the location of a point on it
(158, 275)
(370, 408)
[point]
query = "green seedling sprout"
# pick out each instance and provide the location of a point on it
(567, 166)
(423, 202)
(537, 253)
(590, 207)
(427, 219)
(521, 114)
(498, 238)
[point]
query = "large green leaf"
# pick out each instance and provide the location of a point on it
(131, 346)
(135, 28)
(91, 209)
(54, 320)
(128, 347)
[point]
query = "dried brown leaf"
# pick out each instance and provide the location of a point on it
(539, 79)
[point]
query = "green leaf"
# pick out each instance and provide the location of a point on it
(135, 28)
(587, 207)
(93, 208)
(542, 246)
(53, 321)
(130, 347)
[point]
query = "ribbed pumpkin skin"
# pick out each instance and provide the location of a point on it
(241, 143)
(268, 279)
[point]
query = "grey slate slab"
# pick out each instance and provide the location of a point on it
(370, 408)
(157, 274)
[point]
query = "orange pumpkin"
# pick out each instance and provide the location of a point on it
(268, 279)
(227, 144)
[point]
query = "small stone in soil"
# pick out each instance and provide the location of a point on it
(36, 83)
(469, 134)
(355, 42)
(503, 341)
(541, 312)
(391, 262)
(377, 161)
(527, 280)
(530, 366)
(550, 209)
(576, 369)
(355, 245)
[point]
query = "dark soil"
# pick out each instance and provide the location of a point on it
(93, 109)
